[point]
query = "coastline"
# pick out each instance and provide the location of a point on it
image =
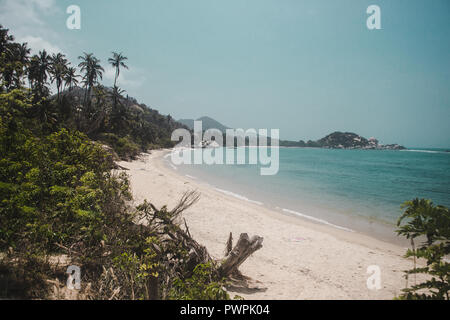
(300, 259)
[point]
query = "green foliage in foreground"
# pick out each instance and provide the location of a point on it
(61, 201)
(200, 286)
(60, 195)
(431, 224)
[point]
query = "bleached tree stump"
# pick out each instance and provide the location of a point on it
(243, 249)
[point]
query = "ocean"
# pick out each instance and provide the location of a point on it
(354, 190)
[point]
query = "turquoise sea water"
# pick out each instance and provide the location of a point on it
(361, 190)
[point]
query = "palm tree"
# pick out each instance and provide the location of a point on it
(116, 95)
(32, 71)
(44, 66)
(16, 59)
(118, 111)
(5, 38)
(100, 112)
(38, 72)
(22, 52)
(92, 69)
(117, 61)
(22, 56)
(58, 68)
(70, 78)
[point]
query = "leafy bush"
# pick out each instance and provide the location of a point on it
(201, 286)
(125, 147)
(431, 224)
(55, 190)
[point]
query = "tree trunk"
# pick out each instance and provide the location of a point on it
(243, 249)
(153, 288)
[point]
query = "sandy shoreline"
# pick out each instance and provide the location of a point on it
(299, 259)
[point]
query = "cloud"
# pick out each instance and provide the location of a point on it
(124, 80)
(22, 14)
(39, 44)
(26, 20)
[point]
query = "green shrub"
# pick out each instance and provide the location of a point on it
(430, 224)
(202, 285)
(124, 147)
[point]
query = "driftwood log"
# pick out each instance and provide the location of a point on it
(169, 228)
(243, 249)
(234, 256)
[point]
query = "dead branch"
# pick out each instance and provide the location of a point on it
(188, 199)
(229, 246)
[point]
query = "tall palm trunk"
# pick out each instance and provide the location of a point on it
(117, 75)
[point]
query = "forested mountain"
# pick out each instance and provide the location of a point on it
(207, 123)
(117, 120)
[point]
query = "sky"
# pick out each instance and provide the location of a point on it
(307, 67)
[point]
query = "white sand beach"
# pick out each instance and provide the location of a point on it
(299, 259)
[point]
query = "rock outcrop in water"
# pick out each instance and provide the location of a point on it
(350, 140)
(343, 140)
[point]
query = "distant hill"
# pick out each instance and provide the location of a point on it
(207, 123)
(187, 122)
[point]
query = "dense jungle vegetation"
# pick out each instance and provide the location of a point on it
(63, 203)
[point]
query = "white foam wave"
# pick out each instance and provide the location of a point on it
(238, 196)
(173, 167)
(424, 151)
(316, 219)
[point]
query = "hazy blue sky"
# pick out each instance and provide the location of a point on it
(305, 67)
